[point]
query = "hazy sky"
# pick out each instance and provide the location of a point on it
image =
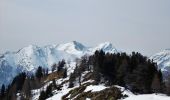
(131, 25)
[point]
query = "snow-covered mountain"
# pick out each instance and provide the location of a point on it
(163, 60)
(29, 58)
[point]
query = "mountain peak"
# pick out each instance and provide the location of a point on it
(162, 59)
(29, 49)
(106, 47)
(105, 44)
(75, 42)
(71, 47)
(78, 45)
(32, 56)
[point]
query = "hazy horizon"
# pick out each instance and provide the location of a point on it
(141, 26)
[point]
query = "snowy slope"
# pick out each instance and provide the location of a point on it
(32, 56)
(163, 60)
(58, 94)
(132, 96)
(148, 97)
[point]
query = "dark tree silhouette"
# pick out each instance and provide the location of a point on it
(2, 94)
(61, 65)
(65, 73)
(39, 73)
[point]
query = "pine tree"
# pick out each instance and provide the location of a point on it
(26, 90)
(168, 86)
(71, 80)
(61, 65)
(156, 85)
(49, 91)
(65, 73)
(42, 95)
(54, 84)
(2, 91)
(39, 73)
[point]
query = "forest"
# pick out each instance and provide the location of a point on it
(135, 72)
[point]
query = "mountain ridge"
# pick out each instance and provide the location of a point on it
(29, 58)
(163, 61)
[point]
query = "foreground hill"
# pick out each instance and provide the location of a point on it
(101, 76)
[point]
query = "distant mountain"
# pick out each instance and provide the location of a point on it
(163, 60)
(29, 58)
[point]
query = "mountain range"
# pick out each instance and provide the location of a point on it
(163, 61)
(29, 58)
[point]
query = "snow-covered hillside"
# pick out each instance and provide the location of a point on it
(29, 58)
(163, 60)
(92, 89)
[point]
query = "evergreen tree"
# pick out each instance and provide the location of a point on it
(42, 96)
(65, 73)
(121, 73)
(2, 91)
(26, 90)
(168, 86)
(71, 80)
(61, 65)
(19, 81)
(156, 85)
(49, 91)
(39, 73)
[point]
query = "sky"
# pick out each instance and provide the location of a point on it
(130, 25)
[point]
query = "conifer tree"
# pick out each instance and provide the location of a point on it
(39, 73)
(49, 91)
(2, 94)
(42, 95)
(65, 73)
(156, 85)
(61, 65)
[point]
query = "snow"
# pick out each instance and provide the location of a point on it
(36, 92)
(163, 60)
(95, 88)
(106, 46)
(132, 96)
(59, 95)
(29, 58)
(148, 97)
(70, 67)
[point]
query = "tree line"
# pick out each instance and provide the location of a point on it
(134, 72)
(23, 83)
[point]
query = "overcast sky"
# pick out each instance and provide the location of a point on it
(130, 25)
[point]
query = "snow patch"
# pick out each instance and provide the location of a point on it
(95, 88)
